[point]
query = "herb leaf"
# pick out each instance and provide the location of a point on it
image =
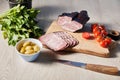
(18, 23)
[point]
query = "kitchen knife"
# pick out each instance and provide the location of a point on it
(93, 67)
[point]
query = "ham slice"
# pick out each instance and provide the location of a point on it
(58, 41)
(72, 26)
(73, 21)
(53, 42)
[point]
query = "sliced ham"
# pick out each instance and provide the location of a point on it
(66, 18)
(58, 41)
(53, 42)
(73, 21)
(72, 26)
(62, 20)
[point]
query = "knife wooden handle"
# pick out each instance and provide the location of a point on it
(103, 69)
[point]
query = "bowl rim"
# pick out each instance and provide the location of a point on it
(27, 39)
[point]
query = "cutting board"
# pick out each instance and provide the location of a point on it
(85, 46)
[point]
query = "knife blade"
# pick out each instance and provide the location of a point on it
(93, 67)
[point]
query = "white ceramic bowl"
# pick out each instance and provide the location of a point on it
(28, 57)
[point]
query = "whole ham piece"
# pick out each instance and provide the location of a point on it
(73, 21)
(58, 41)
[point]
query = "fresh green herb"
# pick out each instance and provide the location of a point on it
(18, 23)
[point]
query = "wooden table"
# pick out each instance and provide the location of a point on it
(13, 67)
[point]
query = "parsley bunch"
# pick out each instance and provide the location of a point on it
(18, 23)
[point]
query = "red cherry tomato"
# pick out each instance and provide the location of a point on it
(99, 38)
(95, 29)
(104, 32)
(104, 44)
(108, 40)
(86, 35)
(94, 26)
(101, 27)
(97, 33)
(100, 34)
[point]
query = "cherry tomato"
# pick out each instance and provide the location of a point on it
(86, 35)
(100, 34)
(95, 29)
(99, 38)
(97, 33)
(102, 27)
(93, 26)
(104, 32)
(108, 40)
(104, 44)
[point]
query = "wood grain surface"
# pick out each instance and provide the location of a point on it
(12, 67)
(85, 46)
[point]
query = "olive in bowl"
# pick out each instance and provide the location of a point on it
(29, 49)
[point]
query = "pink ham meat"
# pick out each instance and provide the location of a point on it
(72, 26)
(73, 21)
(66, 18)
(58, 41)
(62, 20)
(53, 42)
